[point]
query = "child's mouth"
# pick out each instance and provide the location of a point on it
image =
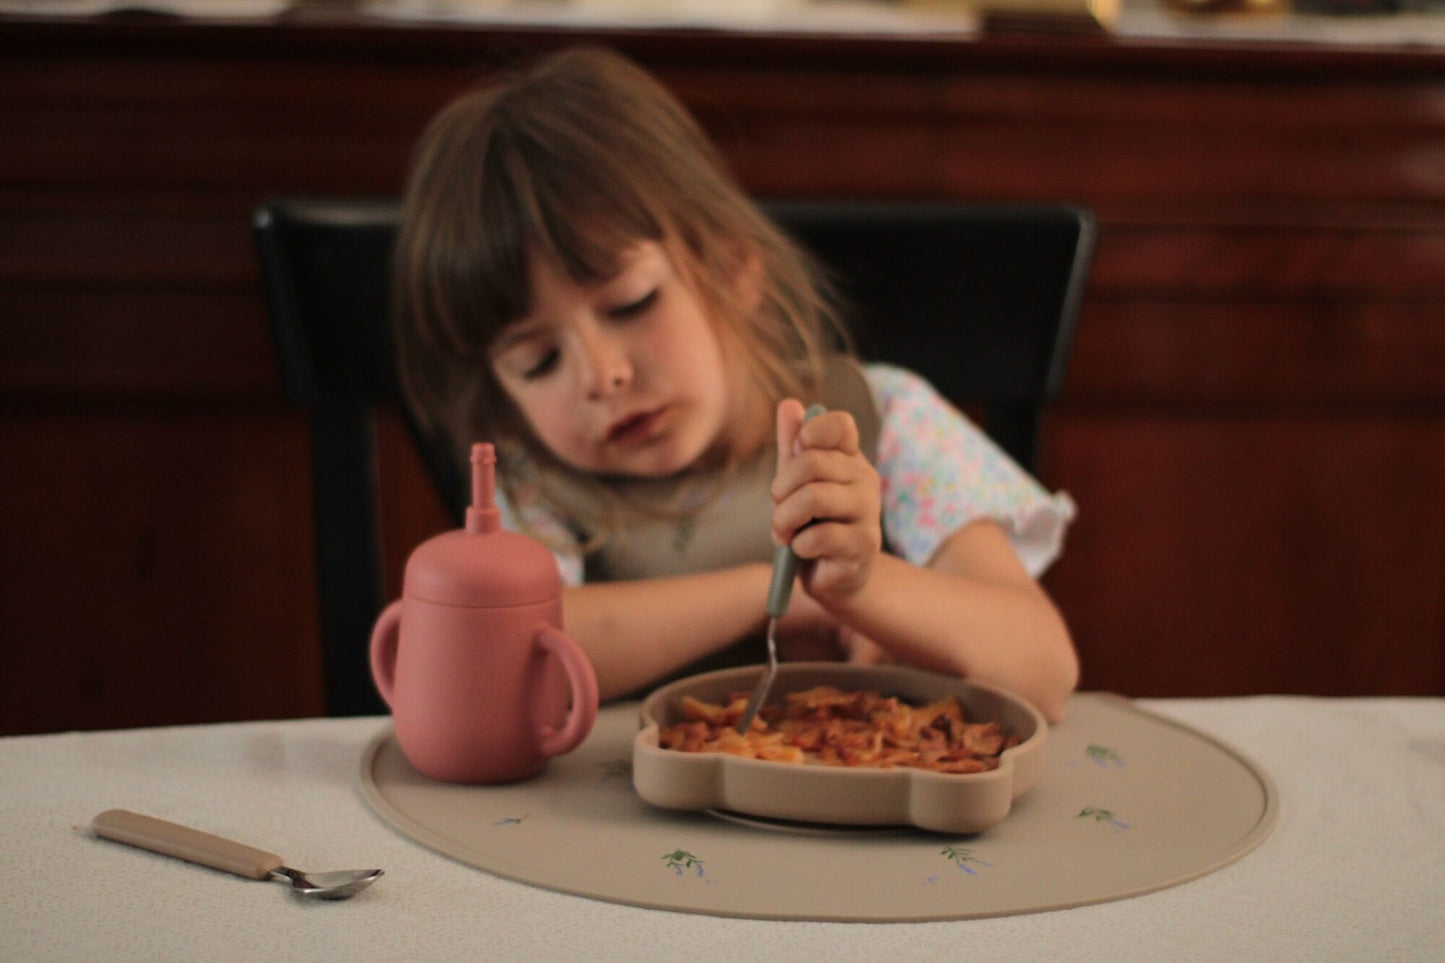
(634, 428)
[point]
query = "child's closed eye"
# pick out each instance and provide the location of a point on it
(632, 309)
(544, 363)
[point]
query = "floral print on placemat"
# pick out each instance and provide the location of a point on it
(680, 860)
(964, 859)
(615, 769)
(511, 820)
(1100, 815)
(1103, 756)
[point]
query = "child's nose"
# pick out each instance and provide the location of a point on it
(608, 367)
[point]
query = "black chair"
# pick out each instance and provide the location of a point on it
(979, 299)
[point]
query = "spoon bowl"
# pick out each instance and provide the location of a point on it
(337, 884)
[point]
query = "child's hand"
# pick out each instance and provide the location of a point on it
(858, 649)
(825, 483)
(808, 633)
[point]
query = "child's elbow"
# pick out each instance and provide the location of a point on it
(1059, 677)
(1053, 707)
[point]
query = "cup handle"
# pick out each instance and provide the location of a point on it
(554, 742)
(383, 650)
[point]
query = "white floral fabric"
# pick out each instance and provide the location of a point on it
(940, 471)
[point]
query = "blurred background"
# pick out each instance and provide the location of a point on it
(1253, 423)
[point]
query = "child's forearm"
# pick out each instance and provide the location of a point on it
(1005, 632)
(636, 632)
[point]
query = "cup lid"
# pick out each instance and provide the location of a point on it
(482, 569)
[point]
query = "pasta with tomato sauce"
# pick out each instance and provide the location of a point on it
(828, 726)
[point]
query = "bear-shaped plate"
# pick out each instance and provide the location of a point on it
(832, 794)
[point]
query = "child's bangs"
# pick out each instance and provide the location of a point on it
(584, 224)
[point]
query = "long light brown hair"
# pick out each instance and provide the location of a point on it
(575, 160)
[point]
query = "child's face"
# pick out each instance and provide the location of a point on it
(626, 377)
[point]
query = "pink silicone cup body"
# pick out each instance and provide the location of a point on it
(471, 706)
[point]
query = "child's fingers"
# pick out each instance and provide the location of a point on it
(834, 430)
(816, 465)
(789, 420)
(836, 542)
(843, 561)
(826, 499)
(818, 502)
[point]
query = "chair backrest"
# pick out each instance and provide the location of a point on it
(979, 299)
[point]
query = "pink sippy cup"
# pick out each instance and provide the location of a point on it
(472, 659)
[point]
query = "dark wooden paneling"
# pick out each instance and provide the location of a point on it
(1260, 553)
(1260, 354)
(94, 342)
(1253, 423)
(157, 567)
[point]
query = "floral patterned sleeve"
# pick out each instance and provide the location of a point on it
(940, 471)
(530, 517)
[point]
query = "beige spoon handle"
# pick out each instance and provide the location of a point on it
(159, 836)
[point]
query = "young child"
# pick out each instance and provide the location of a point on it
(580, 282)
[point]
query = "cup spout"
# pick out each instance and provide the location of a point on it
(483, 516)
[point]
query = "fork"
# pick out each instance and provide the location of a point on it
(780, 591)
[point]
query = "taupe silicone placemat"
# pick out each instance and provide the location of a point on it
(1129, 802)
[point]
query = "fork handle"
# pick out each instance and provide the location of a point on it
(192, 845)
(780, 589)
(785, 560)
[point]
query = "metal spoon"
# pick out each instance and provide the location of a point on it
(780, 592)
(171, 839)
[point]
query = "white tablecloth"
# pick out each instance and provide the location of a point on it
(1355, 869)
